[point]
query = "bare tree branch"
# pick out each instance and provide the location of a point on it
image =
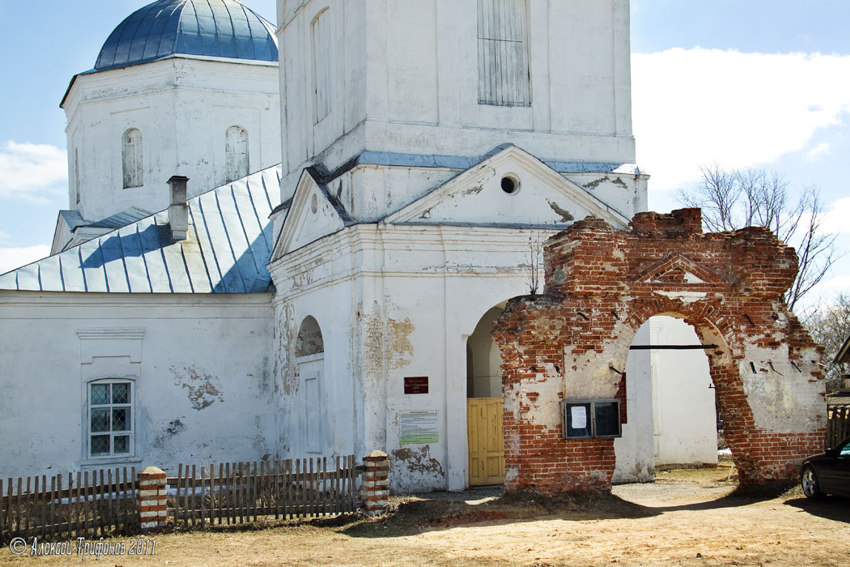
(731, 200)
(830, 326)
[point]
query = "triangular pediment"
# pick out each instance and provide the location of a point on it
(508, 188)
(680, 270)
(313, 214)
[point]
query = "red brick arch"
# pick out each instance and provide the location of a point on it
(601, 285)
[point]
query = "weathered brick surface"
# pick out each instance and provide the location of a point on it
(375, 488)
(151, 499)
(601, 285)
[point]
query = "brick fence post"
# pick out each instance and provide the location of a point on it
(376, 483)
(150, 499)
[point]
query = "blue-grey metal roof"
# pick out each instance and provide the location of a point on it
(133, 214)
(212, 28)
(228, 246)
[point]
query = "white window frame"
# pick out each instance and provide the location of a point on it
(110, 406)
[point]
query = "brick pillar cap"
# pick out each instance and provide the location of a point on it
(153, 470)
(376, 455)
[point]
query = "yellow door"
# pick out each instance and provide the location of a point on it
(486, 441)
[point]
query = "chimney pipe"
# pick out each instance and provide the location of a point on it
(178, 212)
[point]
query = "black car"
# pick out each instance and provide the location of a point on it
(827, 473)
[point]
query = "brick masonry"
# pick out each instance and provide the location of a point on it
(601, 285)
(151, 499)
(375, 488)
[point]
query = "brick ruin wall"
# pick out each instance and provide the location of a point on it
(601, 284)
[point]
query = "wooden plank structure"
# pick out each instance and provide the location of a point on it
(486, 441)
(838, 427)
(237, 493)
(89, 504)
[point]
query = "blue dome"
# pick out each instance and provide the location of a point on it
(209, 28)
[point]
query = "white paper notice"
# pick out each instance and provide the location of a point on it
(579, 417)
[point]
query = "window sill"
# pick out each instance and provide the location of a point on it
(98, 461)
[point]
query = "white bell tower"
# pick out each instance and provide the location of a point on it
(397, 83)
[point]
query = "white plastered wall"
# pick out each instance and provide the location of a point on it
(203, 380)
(406, 82)
(412, 296)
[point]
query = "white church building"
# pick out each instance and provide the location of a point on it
(292, 241)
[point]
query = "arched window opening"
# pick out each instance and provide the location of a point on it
(483, 365)
(131, 158)
(309, 353)
(309, 341)
(236, 152)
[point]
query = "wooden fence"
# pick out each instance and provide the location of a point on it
(838, 428)
(235, 493)
(90, 504)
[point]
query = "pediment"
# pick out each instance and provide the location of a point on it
(313, 214)
(677, 269)
(508, 188)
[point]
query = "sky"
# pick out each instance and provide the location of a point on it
(737, 83)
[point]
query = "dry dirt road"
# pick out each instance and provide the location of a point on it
(688, 517)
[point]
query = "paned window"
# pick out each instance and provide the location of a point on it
(110, 418)
(591, 418)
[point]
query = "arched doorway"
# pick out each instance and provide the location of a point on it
(568, 348)
(309, 362)
(484, 404)
(671, 416)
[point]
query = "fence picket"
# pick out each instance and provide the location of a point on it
(101, 502)
(220, 498)
(51, 514)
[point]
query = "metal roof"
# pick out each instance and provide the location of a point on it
(228, 246)
(213, 28)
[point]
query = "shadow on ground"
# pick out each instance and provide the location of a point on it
(411, 515)
(833, 508)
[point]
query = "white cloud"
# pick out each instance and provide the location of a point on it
(837, 215)
(694, 107)
(821, 149)
(11, 258)
(32, 172)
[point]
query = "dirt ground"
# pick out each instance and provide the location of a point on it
(688, 517)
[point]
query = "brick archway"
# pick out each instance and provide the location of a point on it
(601, 284)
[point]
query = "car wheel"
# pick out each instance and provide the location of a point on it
(809, 482)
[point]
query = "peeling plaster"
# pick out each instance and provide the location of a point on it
(565, 215)
(592, 376)
(683, 296)
(778, 393)
(203, 389)
(616, 181)
(400, 332)
(416, 469)
(394, 333)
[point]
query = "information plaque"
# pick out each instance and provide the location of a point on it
(419, 427)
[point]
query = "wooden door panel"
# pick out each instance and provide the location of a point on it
(486, 441)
